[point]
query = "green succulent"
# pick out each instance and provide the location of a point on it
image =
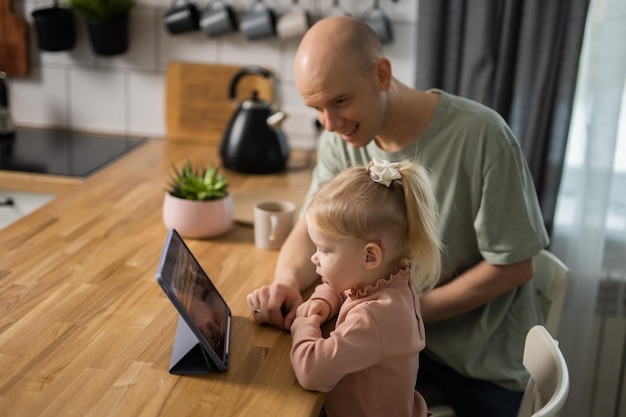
(100, 9)
(192, 183)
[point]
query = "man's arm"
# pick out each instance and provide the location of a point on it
(294, 267)
(474, 288)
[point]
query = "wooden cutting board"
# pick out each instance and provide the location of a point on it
(196, 98)
(13, 41)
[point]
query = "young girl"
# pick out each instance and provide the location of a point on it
(375, 230)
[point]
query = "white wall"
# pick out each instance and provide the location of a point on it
(124, 94)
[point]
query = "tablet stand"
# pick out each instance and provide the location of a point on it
(188, 356)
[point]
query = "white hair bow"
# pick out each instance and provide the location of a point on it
(384, 172)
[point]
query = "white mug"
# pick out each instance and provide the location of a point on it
(337, 10)
(293, 24)
(273, 220)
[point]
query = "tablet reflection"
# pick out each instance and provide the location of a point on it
(209, 313)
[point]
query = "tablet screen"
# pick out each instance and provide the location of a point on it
(181, 276)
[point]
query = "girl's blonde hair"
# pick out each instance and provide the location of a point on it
(353, 205)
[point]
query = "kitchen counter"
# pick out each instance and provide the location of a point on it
(38, 183)
(86, 330)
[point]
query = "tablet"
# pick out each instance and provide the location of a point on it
(197, 301)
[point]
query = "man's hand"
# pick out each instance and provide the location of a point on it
(274, 304)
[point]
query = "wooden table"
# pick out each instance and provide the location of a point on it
(86, 331)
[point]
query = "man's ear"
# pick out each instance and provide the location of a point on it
(373, 255)
(382, 68)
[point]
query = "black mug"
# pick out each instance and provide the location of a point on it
(182, 18)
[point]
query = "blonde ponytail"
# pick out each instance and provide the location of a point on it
(385, 198)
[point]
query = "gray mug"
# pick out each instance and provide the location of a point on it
(218, 19)
(181, 18)
(259, 23)
(380, 23)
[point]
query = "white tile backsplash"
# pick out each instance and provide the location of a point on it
(299, 125)
(98, 100)
(188, 46)
(41, 98)
(286, 65)
(401, 52)
(125, 94)
(142, 49)
(147, 107)
(264, 52)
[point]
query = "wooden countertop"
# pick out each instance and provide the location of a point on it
(86, 330)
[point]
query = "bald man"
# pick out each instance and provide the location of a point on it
(491, 225)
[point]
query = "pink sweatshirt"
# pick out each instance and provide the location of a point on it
(369, 363)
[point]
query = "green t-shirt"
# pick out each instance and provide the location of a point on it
(489, 210)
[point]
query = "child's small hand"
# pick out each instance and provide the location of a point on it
(314, 307)
(314, 318)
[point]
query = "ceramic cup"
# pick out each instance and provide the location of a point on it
(380, 23)
(337, 10)
(182, 18)
(273, 220)
(293, 24)
(218, 19)
(259, 23)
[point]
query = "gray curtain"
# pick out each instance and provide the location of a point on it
(519, 58)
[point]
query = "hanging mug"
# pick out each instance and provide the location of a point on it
(376, 19)
(337, 10)
(182, 18)
(294, 23)
(55, 28)
(260, 22)
(219, 18)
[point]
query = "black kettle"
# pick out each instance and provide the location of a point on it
(254, 142)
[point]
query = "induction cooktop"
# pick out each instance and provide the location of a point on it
(61, 152)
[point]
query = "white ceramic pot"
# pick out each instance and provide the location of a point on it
(198, 219)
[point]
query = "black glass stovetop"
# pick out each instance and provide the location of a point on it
(61, 152)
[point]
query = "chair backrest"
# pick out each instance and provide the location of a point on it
(548, 385)
(550, 280)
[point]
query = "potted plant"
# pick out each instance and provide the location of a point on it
(197, 203)
(107, 23)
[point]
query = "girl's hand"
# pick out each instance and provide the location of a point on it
(299, 321)
(316, 307)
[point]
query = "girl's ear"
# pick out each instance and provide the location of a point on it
(373, 255)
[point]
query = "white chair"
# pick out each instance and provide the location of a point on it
(548, 385)
(550, 280)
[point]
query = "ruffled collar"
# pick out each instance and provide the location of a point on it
(402, 276)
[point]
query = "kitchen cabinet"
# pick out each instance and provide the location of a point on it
(17, 204)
